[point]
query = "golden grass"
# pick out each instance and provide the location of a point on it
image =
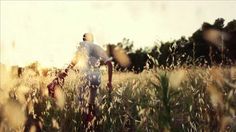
(196, 96)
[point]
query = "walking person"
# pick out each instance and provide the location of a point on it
(90, 57)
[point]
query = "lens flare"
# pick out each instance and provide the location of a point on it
(121, 57)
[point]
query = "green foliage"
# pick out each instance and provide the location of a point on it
(192, 51)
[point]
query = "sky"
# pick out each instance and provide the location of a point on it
(48, 31)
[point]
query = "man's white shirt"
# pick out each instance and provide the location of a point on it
(89, 56)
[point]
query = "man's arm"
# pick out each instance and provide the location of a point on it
(99, 52)
(109, 84)
(70, 66)
(61, 76)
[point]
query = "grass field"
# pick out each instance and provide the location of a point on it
(195, 99)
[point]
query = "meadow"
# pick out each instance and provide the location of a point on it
(179, 99)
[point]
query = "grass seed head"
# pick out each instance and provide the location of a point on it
(60, 97)
(14, 115)
(176, 77)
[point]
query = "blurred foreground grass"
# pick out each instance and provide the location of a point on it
(195, 99)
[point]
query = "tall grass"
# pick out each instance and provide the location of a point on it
(195, 99)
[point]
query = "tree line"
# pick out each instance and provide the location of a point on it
(211, 44)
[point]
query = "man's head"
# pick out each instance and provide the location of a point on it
(88, 37)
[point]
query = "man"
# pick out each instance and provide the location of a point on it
(89, 56)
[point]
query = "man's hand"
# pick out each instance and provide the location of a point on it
(51, 87)
(59, 81)
(62, 75)
(109, 87)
